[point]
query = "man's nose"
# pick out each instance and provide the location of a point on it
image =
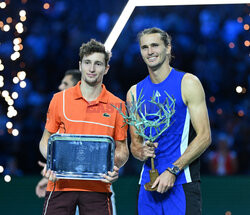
(60, 87)
(150, 50)
(92, 68)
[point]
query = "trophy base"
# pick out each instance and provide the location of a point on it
(153, 175)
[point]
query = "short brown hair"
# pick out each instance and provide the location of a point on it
(94, 46)
(164, 35)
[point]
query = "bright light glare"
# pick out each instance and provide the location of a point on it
(14, 113)
(16, 48)
(1, 169)
(15, 132)
(7, 178)
(5, 93)
(16, 41)
(9, 125)
(20, 46)
(1, 67)
(19, 27)
(239, 89)
(11, 108)
(23, 18)
(15, 80)
(6, 28)
(46, 6)
(2, 5)
(9, 20)
(15, 55)
(9, 114)
(22, 13)
(14, 95)
(22, 84)
(10, 102)
(21, 75)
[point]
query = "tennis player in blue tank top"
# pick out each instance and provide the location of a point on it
(178, 149)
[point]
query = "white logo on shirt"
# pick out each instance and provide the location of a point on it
(157, 94)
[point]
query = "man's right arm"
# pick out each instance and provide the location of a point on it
(139, 150)
(44, 143)
(43, 149)
(52, 124)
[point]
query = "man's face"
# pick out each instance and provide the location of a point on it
(153, 50)
(66, 83)
(93, 68)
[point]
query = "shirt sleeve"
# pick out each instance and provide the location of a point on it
(53, 119)
(120, 127)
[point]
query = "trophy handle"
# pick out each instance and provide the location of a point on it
(152, 164)
(153, 173)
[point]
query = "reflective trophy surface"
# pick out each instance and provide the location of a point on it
(159, 122)
(85, 157)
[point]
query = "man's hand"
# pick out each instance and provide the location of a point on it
(41, 187)
(111, 176)
(41, 164)
(49, 174)
(165, 181)
(148, 150)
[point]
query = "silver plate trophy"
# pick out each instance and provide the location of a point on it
(85, 157)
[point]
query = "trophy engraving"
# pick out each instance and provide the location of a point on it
(157, 122)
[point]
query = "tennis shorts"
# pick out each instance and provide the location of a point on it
(65, 202)
(183, 199)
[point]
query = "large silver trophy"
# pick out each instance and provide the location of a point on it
(86, 157)
(138, 117)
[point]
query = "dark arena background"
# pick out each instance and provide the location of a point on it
(40, 40)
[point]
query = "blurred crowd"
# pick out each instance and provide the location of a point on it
(208, 41)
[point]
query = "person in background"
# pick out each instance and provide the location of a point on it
(70, 79)
(223, 161)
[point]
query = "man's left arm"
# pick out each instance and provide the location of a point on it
(194, 97)
(121, 153)
(121, 157)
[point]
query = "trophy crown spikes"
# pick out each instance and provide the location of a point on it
(140, 121)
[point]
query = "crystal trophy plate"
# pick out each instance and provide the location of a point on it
(85, 157)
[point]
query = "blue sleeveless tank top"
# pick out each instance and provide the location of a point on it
(174, 141)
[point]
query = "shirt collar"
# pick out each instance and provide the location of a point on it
(103, 97)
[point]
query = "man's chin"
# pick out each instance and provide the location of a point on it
(92, 83)
(154, 66)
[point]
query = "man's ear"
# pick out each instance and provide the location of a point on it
(80, 68)
(107, 69)
(168, 49)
